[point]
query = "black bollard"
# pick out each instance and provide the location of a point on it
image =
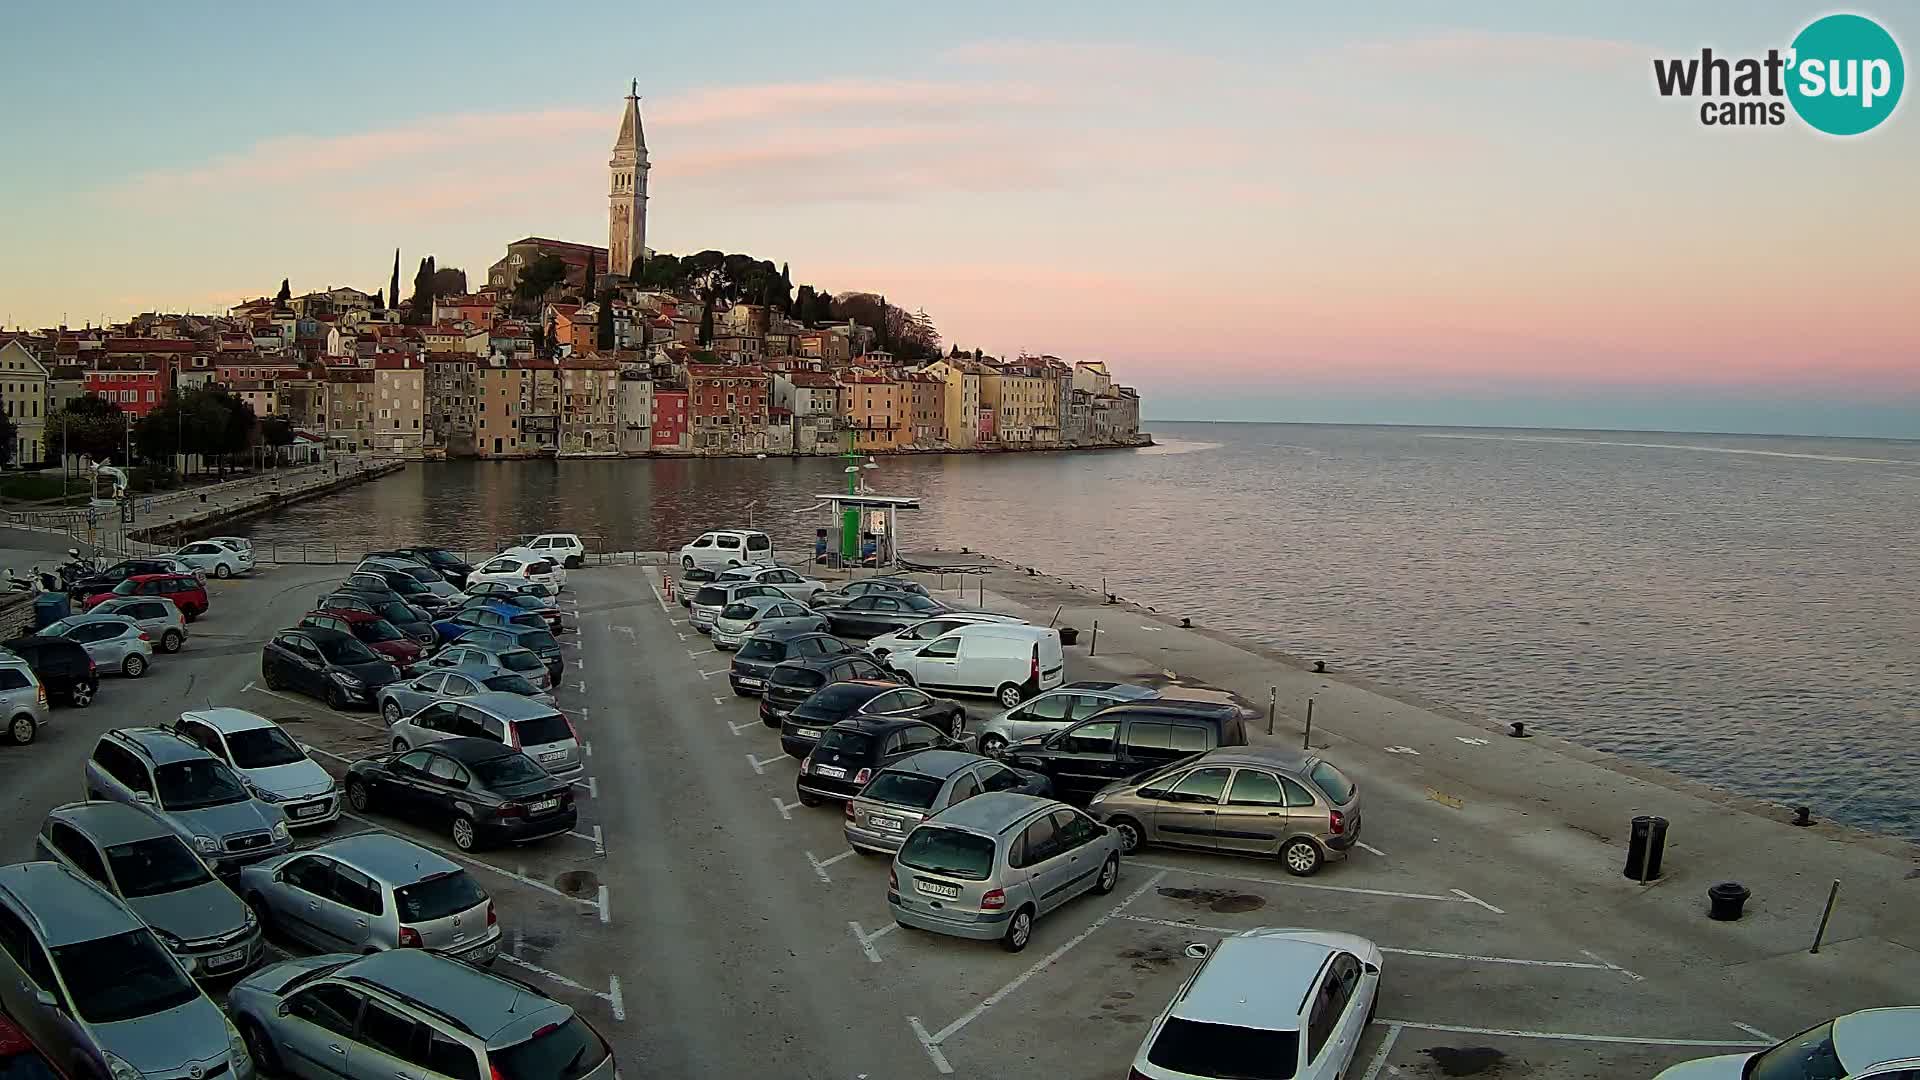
(1518, 730)
(1186, 624)
(1726, 900)
(1645, 844)
(1803, 816)
(1320, 667)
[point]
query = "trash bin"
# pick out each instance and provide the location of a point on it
(1726, 900)
(1645, 846)
(1069, 635)
(50, 608)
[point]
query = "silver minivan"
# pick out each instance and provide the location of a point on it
(918, 786)
(988, 867)
(542, 732)
(23, 701)
(204, 801)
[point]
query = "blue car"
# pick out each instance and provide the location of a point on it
(490, 615)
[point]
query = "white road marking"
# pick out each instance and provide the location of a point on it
(585, 745)
(1403, 750)
(599, 841)
(1611, 966)
(711, 674)
(517, 941)
(663, 600)
(483, 864)
(615, 1001)
(719, 701)
(1751, 1030)
(627, 630)
(1462, 898)
(1472, 899)
(866, 940)
(738, 728)
(760, 767)
(1362, 845)
(785, 809)
(1470, 742)
(1227, 931)
(927, 1043)
(611, 995)
(328, 754)
(582, 684)
(1568, 1036)
(580, 664)
(1380, 1055)
(682, 637)
(606, 914)
(314, 705)
(820, 866)
(591, 784)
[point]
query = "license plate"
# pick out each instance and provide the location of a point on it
(309, 811)
(891, 824)
(544, 804)
(553, 755)
(232, 956)
(806, 733)
(934, 888)
(744, 681)
(833, 771)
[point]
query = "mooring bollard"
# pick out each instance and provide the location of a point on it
(1726, 900)
(1093, 644)
(1803, 816)
(1273, 698)
(1825, 914)
(1306, 737)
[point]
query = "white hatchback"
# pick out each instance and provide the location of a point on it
(275, 769)
(520, 568)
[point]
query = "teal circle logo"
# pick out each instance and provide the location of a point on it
(1846, 74)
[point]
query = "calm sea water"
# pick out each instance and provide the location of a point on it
(1741, 610)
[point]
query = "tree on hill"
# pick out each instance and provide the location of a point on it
(89, 425)
(9, 438)
(285, 294)
(420, 306)
(603, 329)
(786, 292)
(449, 281)
(803, 304)
(823, 308)
(393, 286)
(536, 280)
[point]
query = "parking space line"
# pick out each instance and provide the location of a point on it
(695, 654)
(711, 674)
(582, 684)
(482, 863)
(580, 664)
(820, 866)
(719, 701)
(314, 705)
(932, 1048)
(1380, 1056)
(663, 600)
(785, 808)
(1355, 889)
(1611, 966)
(1569, 1036)
(760, 767)
(1755, 1032)
(1428, 953)
(606, 913)
(584, 744)
(1369, 847)
(591, 784)
(327, 754)
(681, 636)
(866, 940)
(738, 728)
(611, 995)
(1472, 899)
(599, 841)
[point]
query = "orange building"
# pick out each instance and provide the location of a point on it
(877, 412)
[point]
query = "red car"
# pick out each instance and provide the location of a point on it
(20, 1059)
(187, 592)
(375, 632)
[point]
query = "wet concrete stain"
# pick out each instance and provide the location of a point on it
(1150, 957)
(1468, 1060)
(577, 882)
(1220, 900)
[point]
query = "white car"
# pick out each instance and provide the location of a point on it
(724, 549)
(1009, 662)
(563, 548)
(274, 767)
(1883, 1043)
(921, 632)
(510, 568)
(796, 586)
(215, 558)
(1267, 1003)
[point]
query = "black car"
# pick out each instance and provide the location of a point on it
(326, 664)
(380, 584)
(62, 666)
(794, 681)
(875, 698)
(882, 613)
(853, 750)
(1125, 740)
(755, 659)
(481, 791)
(451, 566)
(105, 580)
(412, 621)
(867, 587)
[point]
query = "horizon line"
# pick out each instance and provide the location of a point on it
(1915, 438)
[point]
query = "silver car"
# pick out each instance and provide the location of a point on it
(195, 793)
(23, 701)
(746, 617)
(402, 699)
(130, 853)
(420, 572)
(712, 599)
(988, 867)
(1053, 710)
(274, 767)
(100, 995)
(113, 642)
(166, 628)
(374, 890)
(542, 732)
(796, 586)
(918, 786)
(334, 1018)
(464, 654)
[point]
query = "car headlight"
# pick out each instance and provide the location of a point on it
(236, 1046)
(252, 919)
(207, 845)
(120, 1070)
(346, 680)
(171, 941)
(280, 830)
(263, 794)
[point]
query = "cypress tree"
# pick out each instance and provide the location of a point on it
(393, 287)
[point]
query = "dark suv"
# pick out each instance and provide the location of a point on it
(1124, 740)
(853, 750)
(63, 668)
(794, 681)
(757, 656)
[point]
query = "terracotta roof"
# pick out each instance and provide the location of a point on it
(813, 380)
(150, 345)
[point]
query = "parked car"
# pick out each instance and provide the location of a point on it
(755, 659)
(373, 891)
(541, 731)
(487, 615)
(563, 548)
(197, 795)
(451, 566)
(1872, 1044)
(99, 994)
(725, 548)
(419, 573)
(188, 593)
(917, 634)
(691, 579)
(63, 667)
(466, 654)
(166, 627)
(498, 594)
(838, 701)
(133, 854)
(794, 681)
(105, 580)
(514, 569)
(920, 785)
(1126, 740)
(237, 543)
(274, 767)
(23, 700)
(215, 558)
(483, 791)
(402, 699)
(712, 599)
(868, 587)
(406, 618)
(369, 629)
(20, 1059)
(881, 613)
(388, 583)
(458, 1020)
(325, 664)
(498, 639)
(988, 867)
(796, 586)
(1009, 663)
(1053, 710)
(1242, 800)
(753, 614)
(851, 751)
(113, 642)
(1267, 1003)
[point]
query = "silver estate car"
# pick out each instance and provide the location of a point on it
(751, 615)
(1239, 800)
(129, 852)
(113, 642)
(23, 700)
(796, 586)
(712, 599)
(374, 890)
(916, 787)
(1053, 710)
(338, 1017)
(274, 767)
(203, 800)
(157, 615)
(99, 995)
(988, 867)
(464, 654)
(402, 699)
(542, 732)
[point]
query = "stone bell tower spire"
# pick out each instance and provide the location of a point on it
(627, 193)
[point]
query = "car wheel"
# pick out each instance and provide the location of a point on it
(336, 700)
(1009, 696)
(807, 798)
(259, 1047)
(21, 729)
(686, 562)
(956, 723)
(359, 796)
(267, 676)
(1132, 837)
(82, 695)
(190, 614)
(1019, 929)
(400, 746)
(574, 562)
(1109, 875)
(992, 744)
(391, 710)
(904, 676)
(465, 836)
(170, 641)
(222, 570)
(133, 666)
(1301, 857)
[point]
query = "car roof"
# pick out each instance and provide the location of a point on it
(940, 764)
(992, 812)
(143, 578)
(84, 910)
(350, 615)
(388, 857)
(816, 663)
(1156, 706)
(119, 601)
(508, 706)
(468, 749)
(227, 720)
(1871, 1036)
(163, 746)
(1272, 757)
(784, 631)
(476, 671)
(110, 823)
(1254, 982)
(80, 617)
(321, 633)
(483, 1003)
(1126, 691)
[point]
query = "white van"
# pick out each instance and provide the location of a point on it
(726, 548)
(1006, 662)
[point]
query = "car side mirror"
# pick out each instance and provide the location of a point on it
(285, 1009)
(1198, 950)
(46, 999)
(143, 796)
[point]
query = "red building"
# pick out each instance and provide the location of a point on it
(133, 386)
(729, 405)
(670, 427)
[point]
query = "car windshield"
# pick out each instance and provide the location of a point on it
(507, 770)
(843, 697)
(512, 684)
(528, 619)
(556, 1052)
(151, 867)
(951, 852)
(262, 748)
(402, 583)
(538, 639)
(903, 789)
(1332, 782)
(400, 612)
(709, 595)
(422, 575)
(855, 744)
(799, 677)
(439, 896)
(540, 566)
(127, 587)
(916, 602)
(437, 557)
(738, 610)
(538, 730)
(1809, 1055)
(344, 650)
(760, 648)
(1225, 1051)
(522, 600)
(121, 977)
(520, 660)
(193, 785)
(378, 630)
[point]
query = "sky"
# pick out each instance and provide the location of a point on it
(1468, 213)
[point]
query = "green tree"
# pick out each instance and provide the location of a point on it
(285, 294)
(449, 281)
(706, 323)
(786, 292)
(9, 438)
(803, 304)
(90, 425)
(638, 268)
(536, 280)
(379, 300)
(393, 287)
(603, 328)
(421, 305)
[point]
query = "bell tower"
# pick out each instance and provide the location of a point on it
(627, 192)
